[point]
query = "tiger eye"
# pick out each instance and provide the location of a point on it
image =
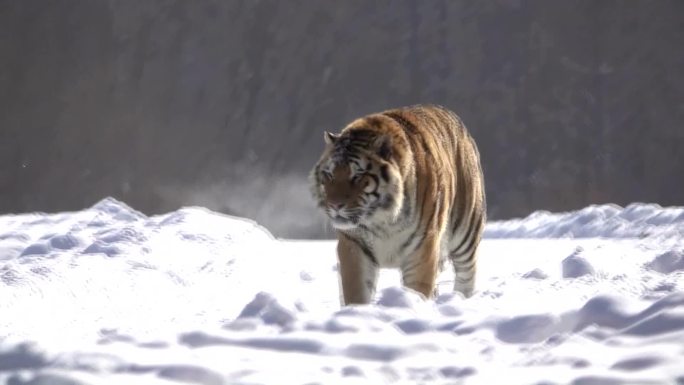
(369, 184)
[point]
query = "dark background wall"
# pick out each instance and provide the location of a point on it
(223, 103)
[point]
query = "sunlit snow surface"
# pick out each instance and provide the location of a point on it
(107, 295)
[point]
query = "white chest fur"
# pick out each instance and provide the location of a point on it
(393, 244)
(392, 249)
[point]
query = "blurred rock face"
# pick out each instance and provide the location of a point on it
(223, 103)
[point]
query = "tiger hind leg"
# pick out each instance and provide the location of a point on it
(465, 268)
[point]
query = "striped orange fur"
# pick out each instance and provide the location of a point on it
(404, 189)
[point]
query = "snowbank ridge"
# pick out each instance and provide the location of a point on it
(108, 295)
(637, 220)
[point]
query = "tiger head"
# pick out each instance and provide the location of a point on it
(356, 182)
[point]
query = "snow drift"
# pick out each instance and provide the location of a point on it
(108, 295)
(638, 220)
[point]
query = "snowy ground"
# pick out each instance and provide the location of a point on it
(109, 296)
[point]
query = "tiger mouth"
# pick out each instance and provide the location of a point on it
(343, 223)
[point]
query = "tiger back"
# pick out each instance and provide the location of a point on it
(404, 189)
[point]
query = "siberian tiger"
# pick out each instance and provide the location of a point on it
(404, 189)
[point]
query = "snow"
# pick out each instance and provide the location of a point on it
(107, 295)
(637, 220)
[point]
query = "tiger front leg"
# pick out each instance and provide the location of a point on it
(358, 274)
(420, 270)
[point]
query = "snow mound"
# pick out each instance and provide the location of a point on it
(112, 228)
(576, 266)
(637, 220)
(418, 328)
(667, 263)
(108, 295)
(110, 261)
(611, 313)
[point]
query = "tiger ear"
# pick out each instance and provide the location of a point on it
(330, 138)
(383, 146)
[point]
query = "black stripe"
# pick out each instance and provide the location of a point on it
(387, 203)
(406, 209)
(412, 264)
(379, 230)
(413, 133)
(471, 237)
(436, 125)
(384, 173)
(453, 130)
(461, 218)
(408, 127)
(374, 122)
(366, 250)
(465, 238)
(405, 124)
(435, 213)
(361, 134)
(410, 240)
(465, 265)
(366, 228)
(317, 174)
(354, 158)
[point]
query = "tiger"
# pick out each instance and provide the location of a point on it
(404, 189)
